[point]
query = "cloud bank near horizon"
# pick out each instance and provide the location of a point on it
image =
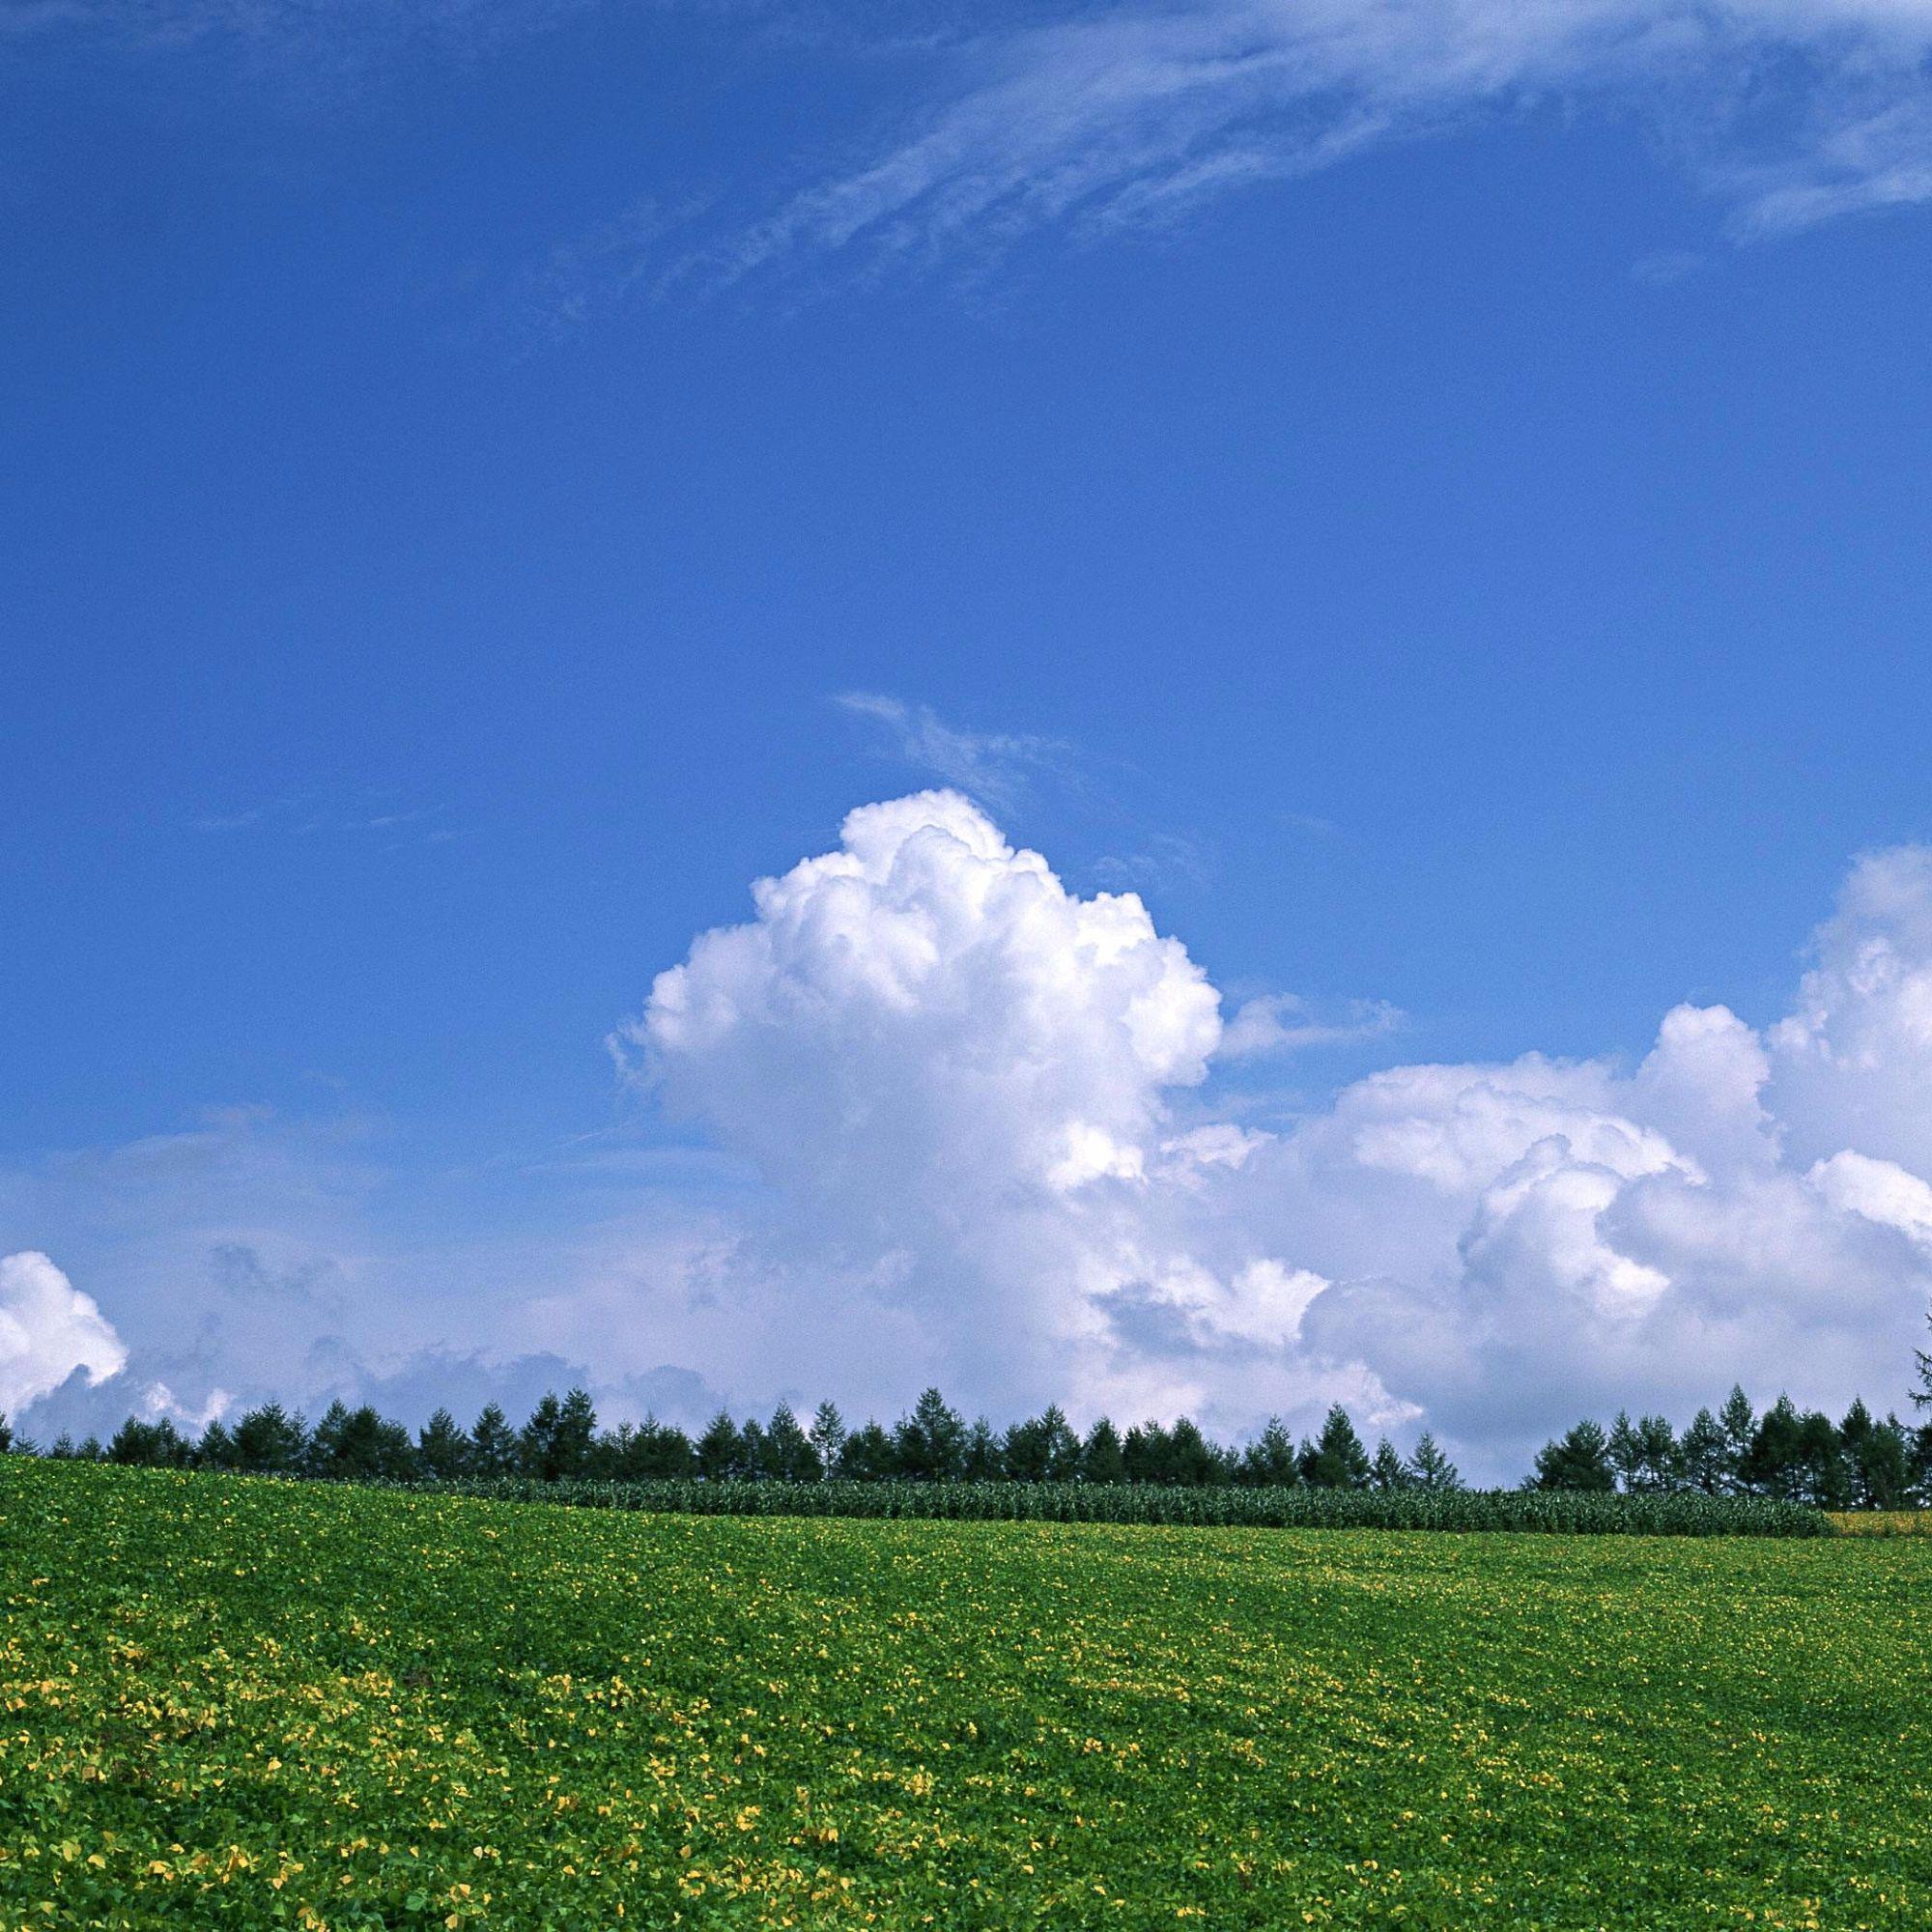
(994, 1148)
(989, 1098)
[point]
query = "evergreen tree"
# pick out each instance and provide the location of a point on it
(1877, 1457)
(1658, 1464)
(621, 1452)
(536, 1440)
(359, 1445)
(1268, 1460)
(441, 1448)
(1626, 1451)
(789, 1448)
(394, 1454)
(1144, 1450)
(1770, 1465)
(321, 1455)
(1043, 1449)
(657, 1451)
(1193, 1461)
(5, 1435)
(1023, 1452)
(1918, 1443)
(868, 1455)
(269, 1442)
(1429, 1468)
(719, 1449)
(1336, 1459)
(611, 1452)
(493, 1443)
(1921, 1360)
(1388, 1471)
(1705, 1454)
(150, 1444)
(1855, 1434)
(575, 1432)
(1886, 1473)
(1062, 1446)
(216, 1448)
(675, 1452)
(1101, 1457)
(980, 1460)
(554, 1445)
(1825, 1472)
(1577, 1461)
(828, 1436)
(755, 1460)
(1740, 1426)
(931, 1441)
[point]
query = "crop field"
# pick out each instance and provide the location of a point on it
(226, 1702)
(1883, 1522)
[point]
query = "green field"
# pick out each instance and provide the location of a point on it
(239, 1702)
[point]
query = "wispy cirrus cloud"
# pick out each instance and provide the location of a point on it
(1005, 769)
(304, 814)
(1789, 111)
(1164, 861)
(992, 766)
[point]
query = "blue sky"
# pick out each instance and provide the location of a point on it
(1442, 514)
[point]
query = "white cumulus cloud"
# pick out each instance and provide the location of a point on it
(929, 1003)
(49, 1330)
(1852, 1066)
(963, 1077)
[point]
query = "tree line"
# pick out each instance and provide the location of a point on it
(1861, 1462)
(933, 1443)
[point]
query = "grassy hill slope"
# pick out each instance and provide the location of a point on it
(225, 1701)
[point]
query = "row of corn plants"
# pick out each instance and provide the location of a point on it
(1549, 1511)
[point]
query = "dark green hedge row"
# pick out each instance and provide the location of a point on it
(1553, 1512)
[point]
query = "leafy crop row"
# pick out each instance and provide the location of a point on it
(1544, 1511)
